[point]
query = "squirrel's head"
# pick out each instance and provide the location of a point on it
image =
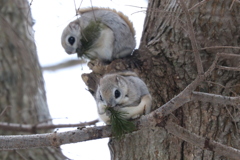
(78, 37)
(71, 37)
(112, 91)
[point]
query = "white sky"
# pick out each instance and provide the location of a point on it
(68, 99)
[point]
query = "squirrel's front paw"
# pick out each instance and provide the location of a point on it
(117, 107)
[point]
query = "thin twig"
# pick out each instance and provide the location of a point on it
(24, 158)
(228, 68)
(228, 55)
(237, 1)
(31, 2)
(93, 11)
(225, 87)
(233, 119)
(63, 65)
(232, 4)
(80, 6)
(214, 98)
(220, 47)
(138, 12)
(193, 39)
(204, 143)
(136, 6)
(3, 111)
(75, 7)
(197, 5)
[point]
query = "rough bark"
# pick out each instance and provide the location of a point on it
(166, 62)
(22, 94)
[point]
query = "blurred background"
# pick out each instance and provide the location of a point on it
(68, 100)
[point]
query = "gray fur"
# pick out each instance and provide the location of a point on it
(133, 86)
(124, 39)
(133, 98)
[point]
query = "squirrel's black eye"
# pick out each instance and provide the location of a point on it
(71, 40)
(101, 98)
(117, 94)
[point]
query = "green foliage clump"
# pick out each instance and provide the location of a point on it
(89, 36)
(119, 125)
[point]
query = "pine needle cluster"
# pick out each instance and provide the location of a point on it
(89, 36)
(119, 124)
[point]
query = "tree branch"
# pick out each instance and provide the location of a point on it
(213, 98)
(3, 111)
(204, 143)
(228, 55)
(220, 47)
(198, 4)
(34, 128)
(63, 65)
(53, 139)
(229, 68)
(193, 39)
(232, 4)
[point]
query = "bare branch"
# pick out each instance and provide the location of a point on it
(233, 118)
(193, 39)
(237, 1)
(69, 63)
(53, 139)
(198, 5)
(225, 87)
(34, 128)
(137, 7)
(228, 55)
(229, 68)
(3, 111)
(220, 47)
(218, 84)
(204, 143)
(232, 4)
(24, 158)
(213, 98)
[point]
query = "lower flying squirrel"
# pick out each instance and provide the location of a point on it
(124, 91)
(100, 33)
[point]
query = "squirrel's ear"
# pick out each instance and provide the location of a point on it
(119, 80)
(75, 25)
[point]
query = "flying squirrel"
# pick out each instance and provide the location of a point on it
(125, 92)
(100, 33)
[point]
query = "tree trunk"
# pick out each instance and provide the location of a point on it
(165, 61)
(22, 94)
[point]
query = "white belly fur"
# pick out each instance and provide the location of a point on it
(103, 47)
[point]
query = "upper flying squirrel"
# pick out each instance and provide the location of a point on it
(100, 33)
